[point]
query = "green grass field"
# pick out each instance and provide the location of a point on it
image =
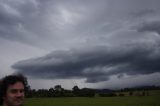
(96, 101)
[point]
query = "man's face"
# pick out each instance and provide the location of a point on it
(14, 95)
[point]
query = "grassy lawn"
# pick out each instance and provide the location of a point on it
(96, 101)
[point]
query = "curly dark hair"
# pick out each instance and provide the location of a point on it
(10, 80)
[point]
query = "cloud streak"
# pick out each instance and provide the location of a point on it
(94, 63)
(150, 27)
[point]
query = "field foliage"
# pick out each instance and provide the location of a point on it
(96, 101)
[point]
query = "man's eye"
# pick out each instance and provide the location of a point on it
(14, 91)
(21, 91)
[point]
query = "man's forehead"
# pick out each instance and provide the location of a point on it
(17, 85)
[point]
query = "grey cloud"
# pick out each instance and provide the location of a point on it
(12, 23)
(40, 22)
(147, 12)
(74, 23)
(19, 21)
(153, 26)
(43, 23)
(95, 64)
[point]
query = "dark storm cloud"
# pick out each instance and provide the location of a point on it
(150, 27)
(7, 18)
(12, 21)
(83, 24)
(143, 13)
(23, 21)
(35, 21)
(95, 63)
(43, 23)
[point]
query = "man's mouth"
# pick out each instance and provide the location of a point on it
(19, 100)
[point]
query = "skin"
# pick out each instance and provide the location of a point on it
(14, 95)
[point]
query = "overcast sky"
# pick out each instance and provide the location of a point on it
(89, 43)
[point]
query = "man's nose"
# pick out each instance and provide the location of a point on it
(19, 94)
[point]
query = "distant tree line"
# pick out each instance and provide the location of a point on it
(141, 88)
(58, 91)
